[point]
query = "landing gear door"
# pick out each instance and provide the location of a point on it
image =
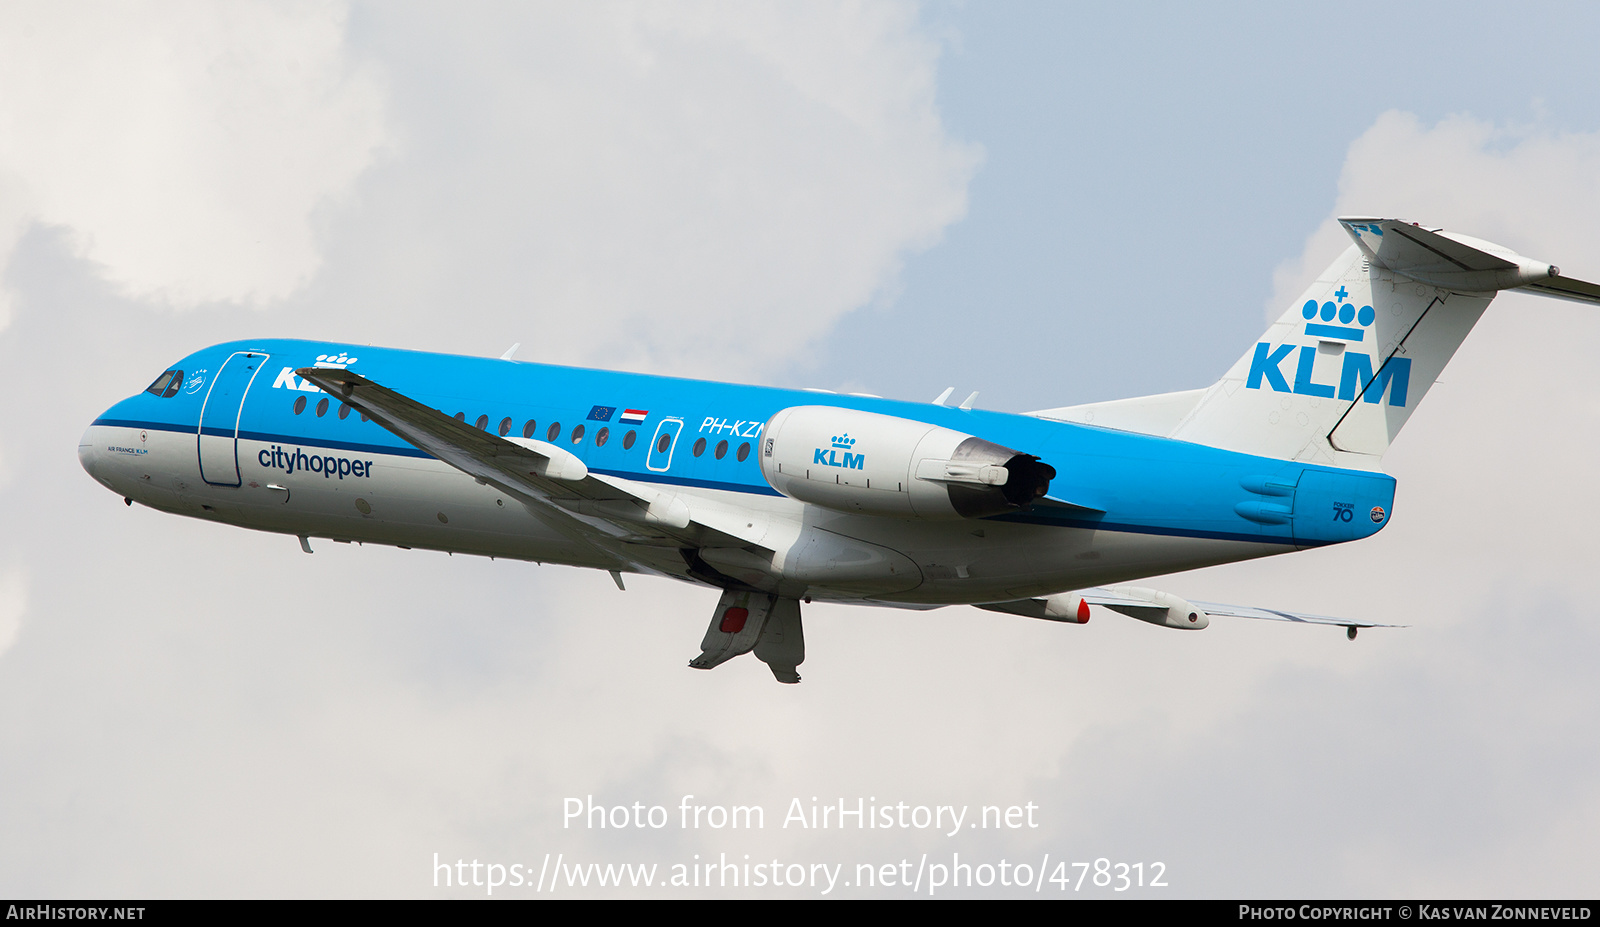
(662, 444)
(218, 433)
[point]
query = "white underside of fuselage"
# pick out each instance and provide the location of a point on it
(415, 502)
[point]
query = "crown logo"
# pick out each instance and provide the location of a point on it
(1318, 317)
(844, 442)
(339, 360)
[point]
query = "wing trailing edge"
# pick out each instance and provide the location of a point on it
(1160, 608)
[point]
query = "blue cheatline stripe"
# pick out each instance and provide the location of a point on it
(152, 426)
(395, 450)
(407, 450)
(1026, 518)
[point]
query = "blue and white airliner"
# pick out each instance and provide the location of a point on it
(776, 497)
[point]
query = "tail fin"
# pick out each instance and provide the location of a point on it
(1341, 372)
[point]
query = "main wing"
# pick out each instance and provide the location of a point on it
(1160, 608)
(1270, 614)
(550, 481)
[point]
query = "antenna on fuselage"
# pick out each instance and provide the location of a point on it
(510, 351)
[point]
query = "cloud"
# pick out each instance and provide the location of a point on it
(1521, 187)
(186, 146)
(628, 183)
(694, 188)
(13, 605)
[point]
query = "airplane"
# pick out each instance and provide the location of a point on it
(776, 497)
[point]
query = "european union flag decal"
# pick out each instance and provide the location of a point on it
(602, 413)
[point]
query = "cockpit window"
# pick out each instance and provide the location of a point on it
(166, 385)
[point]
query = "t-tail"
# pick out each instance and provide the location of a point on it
(1338, 375)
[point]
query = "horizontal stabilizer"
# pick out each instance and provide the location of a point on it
(1460, 262)
(1566, 288)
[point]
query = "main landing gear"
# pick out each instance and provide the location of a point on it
(749, 620)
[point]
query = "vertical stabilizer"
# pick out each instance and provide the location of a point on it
(1349, 361)
(1335, 379)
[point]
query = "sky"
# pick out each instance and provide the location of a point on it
(1048, 203)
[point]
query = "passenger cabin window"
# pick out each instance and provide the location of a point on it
(482, 423)
(628, 439)
(577, 434)
(601, 437)
(505, 427)
(529, 428)
(166, 385)
(553, 433)
(322, 407)
(299, 404)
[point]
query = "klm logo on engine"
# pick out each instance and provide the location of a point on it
(831, 456)
(1333, 322)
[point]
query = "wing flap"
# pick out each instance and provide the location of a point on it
(1127, 599)
(1159, 608)
(1272, 614)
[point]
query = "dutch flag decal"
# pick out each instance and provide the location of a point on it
(633, 416)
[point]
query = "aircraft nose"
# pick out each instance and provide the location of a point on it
(89, 453)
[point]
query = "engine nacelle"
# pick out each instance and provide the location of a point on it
(875, 464)
(1068, 607)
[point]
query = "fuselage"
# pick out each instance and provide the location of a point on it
(235, 436)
